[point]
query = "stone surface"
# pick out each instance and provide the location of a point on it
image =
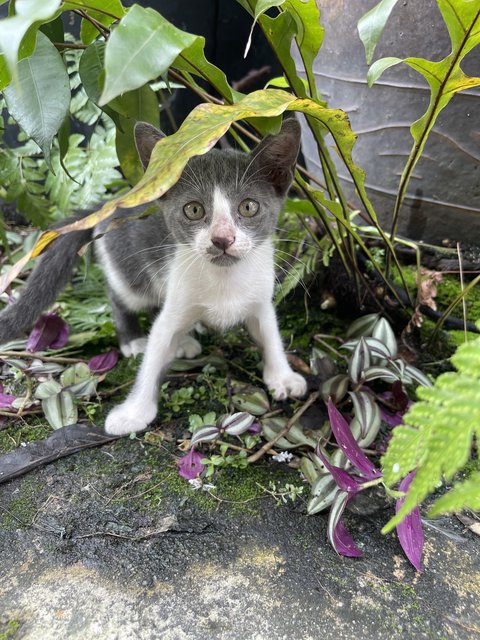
(91, 549)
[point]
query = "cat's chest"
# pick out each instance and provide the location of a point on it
(225, 296)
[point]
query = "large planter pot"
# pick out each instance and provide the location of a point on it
(443, 199)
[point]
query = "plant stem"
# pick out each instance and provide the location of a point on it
(36, 356)
(268, 445)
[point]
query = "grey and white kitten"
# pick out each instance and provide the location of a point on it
(205, 255)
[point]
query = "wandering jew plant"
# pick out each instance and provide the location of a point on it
(332, 459)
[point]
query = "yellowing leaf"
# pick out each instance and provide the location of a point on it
(45, 239)
(201, 130)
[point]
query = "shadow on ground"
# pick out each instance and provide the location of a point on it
(110, 544)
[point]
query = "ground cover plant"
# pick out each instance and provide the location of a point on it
(49, 81)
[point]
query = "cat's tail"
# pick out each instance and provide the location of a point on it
(49, 276)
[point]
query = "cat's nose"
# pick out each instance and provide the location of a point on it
(223, 242)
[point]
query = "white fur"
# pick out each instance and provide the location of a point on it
(223, 225)
(219, 297)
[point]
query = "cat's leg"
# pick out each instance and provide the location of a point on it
(277, 374)
(131, 338)
(140, 406)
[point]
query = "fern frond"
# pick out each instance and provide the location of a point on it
(436, 439)
(296, 273)
(464, 495)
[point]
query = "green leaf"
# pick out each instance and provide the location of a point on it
(371, 25)
(47, 389)
(261, 6)
(13, 29)
(60, 410)
(78, 372)
(309, 36)
(92, 168)
(134, 106)
(437, 437)
(54, 30)
(40, 100)
(108, 12)
(90, 69)
(141, 48)
(445, 78)
(192, 60)
(378, 67)
(280, 32)
(383, 332)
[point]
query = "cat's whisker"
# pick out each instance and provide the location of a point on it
(164, 258)
(288, 273)
(254, 155)
(190, 178)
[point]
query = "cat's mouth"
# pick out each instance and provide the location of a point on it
(224, 260)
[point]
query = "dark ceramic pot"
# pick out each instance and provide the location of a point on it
(443, 199)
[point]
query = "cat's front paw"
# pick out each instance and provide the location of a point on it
(286, 384)
(134, 347)
(129, 418)
(188, 347)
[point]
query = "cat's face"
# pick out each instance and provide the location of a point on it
(227, 202)
(221, 207)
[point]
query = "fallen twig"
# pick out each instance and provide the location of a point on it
(268, 445)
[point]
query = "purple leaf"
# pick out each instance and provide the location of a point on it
(255, 428)
(344, 480)
(409, 531)
(392, 419)
(343, 542)
(349, 445)
(402, 401)
(103, 362)
(190, 466)
(50, 331)
(339, 537)
(6, 400)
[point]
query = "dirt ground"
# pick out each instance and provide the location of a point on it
(110, 543)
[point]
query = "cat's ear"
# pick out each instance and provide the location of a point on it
(146, 137)
(275, 156)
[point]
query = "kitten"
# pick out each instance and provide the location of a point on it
(205, 255)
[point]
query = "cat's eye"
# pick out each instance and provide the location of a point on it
(248, 208)
(194, 210)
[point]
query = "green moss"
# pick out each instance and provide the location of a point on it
(18, 432)
(21, 509)
(9, 630)
(238, 490)
(447, 290)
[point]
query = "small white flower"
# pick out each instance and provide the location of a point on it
(283, 456)
(396, 468)
(197, 483)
